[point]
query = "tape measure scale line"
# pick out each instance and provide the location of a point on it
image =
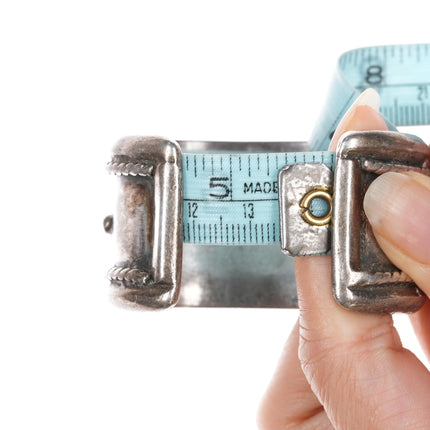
(400, 74)
(232, 199)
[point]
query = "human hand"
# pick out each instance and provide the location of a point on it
(347, 370)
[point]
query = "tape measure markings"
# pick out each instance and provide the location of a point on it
(232, 198)
(232, 205)
(400, 73)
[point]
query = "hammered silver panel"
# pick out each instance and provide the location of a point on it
(298, 237)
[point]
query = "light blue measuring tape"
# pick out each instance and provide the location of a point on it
(232, 198)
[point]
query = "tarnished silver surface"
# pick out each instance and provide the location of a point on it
(148, 222)
(257, 276)
(363, 278)
(298, 237)
(200, 145)
(212, 276)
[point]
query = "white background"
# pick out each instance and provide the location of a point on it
(75, 77)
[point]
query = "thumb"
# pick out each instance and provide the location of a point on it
(398, 208)
(355, 363)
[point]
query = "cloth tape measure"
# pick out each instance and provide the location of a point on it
(231, 198)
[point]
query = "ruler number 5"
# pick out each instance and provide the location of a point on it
(221, 185)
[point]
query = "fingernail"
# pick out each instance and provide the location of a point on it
(369, 97)
(355, 120)
(397, 206)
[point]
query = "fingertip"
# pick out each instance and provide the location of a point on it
(397, 206)
(362, 115)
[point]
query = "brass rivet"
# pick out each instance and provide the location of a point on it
(322, 192)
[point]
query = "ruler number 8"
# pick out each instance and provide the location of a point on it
(374, 74)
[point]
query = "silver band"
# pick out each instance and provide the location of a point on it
(153, 258)
(257, 276)
(212, 276)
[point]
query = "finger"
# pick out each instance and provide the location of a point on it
(360, 116)
(398, 208)
(289, 400)
(354, 362)
(421, 323)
